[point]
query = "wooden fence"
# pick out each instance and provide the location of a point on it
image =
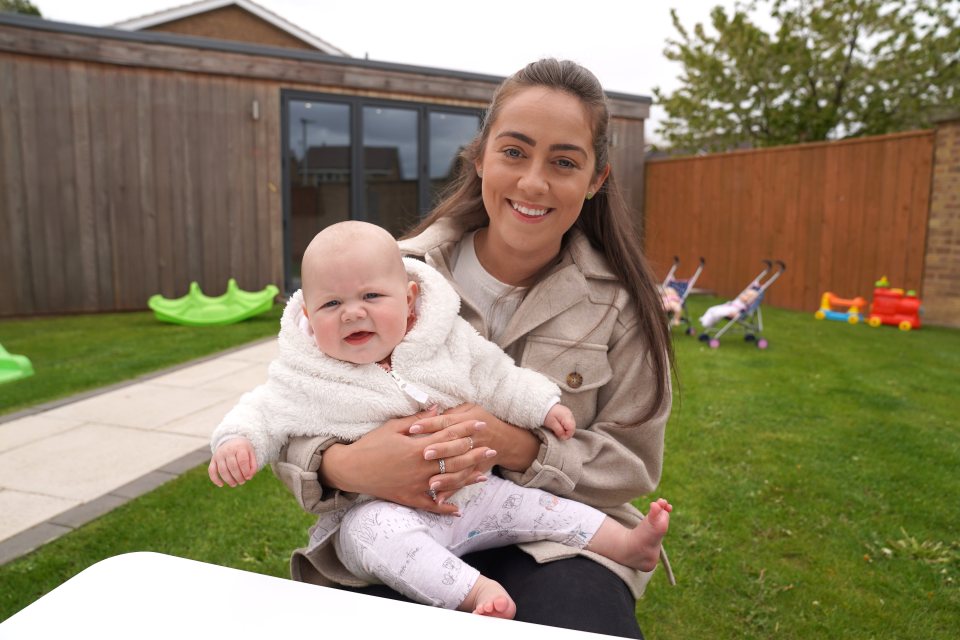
(839, 214)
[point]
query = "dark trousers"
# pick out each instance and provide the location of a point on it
(575, 593)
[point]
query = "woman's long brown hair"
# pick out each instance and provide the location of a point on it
(605, 219)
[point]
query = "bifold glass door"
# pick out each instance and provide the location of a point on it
(355, 158)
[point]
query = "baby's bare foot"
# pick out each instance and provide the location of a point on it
(488, 598)
(643, 551)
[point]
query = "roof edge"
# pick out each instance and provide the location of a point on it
(196, 8)
(210, 44)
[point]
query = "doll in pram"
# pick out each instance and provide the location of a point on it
(743, 312)
(673, 294)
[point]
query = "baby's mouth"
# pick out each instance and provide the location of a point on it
(358, 337)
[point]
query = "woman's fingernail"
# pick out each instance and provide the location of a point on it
(416, 429)
(430, 454)
(479, 425)
(490, 453)
(482, 479)
(457, 514)
(434, 486)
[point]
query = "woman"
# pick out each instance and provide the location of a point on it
(538, 241)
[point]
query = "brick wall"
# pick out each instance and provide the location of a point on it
(941, 280)
(233, 23)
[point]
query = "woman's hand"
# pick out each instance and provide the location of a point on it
(388, 463)
(463, 430)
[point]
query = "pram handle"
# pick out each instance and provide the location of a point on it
(782, 265)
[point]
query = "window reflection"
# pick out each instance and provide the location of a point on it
(391, 153)
(319, 172)
(449, 134)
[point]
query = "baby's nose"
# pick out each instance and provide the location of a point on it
(352, 313)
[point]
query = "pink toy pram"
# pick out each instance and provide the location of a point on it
(674, 292)
(749, 318)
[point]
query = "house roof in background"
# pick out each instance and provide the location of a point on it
(204, 6)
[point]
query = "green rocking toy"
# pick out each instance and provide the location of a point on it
(198, 310)
(13, 367)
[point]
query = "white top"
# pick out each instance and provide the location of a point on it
(151, 595)
(496, 301)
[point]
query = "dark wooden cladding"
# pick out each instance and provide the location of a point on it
(840, 214)
(132, 165)
(107, 198)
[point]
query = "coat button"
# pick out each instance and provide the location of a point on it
(574, 380)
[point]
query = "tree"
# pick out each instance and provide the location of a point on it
(832, 69)
(19, 6)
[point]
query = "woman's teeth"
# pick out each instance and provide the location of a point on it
(527, 211)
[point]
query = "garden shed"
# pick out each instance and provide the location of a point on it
(135, 162)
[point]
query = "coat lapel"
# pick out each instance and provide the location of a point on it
(552, 296)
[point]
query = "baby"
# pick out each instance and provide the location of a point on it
(371, 337)
(730, 309)
(672, 304)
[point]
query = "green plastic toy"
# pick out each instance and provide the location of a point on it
(198, 310)
(13, 367)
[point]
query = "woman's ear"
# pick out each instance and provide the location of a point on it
(600, 179)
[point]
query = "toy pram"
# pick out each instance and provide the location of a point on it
(749, 317)
(674, 292)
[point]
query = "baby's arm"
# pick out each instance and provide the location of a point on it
(560, 420)
(234, 462)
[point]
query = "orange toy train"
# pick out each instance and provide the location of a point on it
(894, 307)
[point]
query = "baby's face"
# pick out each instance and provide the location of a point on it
(358, 305)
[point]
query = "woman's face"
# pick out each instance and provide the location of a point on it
(537, 167)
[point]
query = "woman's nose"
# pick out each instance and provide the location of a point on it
(534, 180)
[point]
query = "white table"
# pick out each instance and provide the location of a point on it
(151, 595)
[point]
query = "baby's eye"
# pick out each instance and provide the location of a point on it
(371, 296)
(330, 305)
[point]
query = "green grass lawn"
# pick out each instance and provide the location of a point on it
(71, 354)
(815, 488)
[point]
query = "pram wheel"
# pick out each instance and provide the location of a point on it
(762, 343)
(704, 337)
(749, 337)
(714, 344)
(691, 331)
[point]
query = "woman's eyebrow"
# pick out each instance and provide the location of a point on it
(567, 147)
(522, 137)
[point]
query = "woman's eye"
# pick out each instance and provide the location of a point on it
(513, 153)
(566, 164)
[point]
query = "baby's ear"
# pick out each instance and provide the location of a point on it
(413, 290)
(305, 314)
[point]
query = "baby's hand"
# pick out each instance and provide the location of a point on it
(234, 461)
(560, 420)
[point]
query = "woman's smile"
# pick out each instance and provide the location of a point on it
(529, 210)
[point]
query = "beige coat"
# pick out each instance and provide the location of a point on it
(578, 327)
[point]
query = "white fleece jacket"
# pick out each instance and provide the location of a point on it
(310, 393)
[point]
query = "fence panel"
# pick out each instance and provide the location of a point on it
(840, 214)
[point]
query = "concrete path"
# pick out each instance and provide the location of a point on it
(66, 463)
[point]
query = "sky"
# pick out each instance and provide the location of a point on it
(621, 41)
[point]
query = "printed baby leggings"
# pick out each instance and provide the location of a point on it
(417, 553)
